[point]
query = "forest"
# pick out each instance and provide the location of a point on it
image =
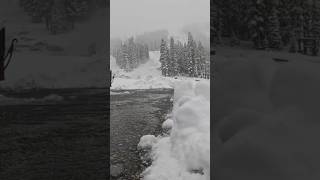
(130, 54)
(60, 16)
(188, 59)
(266, 23)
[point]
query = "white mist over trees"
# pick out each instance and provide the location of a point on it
(152, 39)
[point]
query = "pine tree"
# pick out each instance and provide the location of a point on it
(147, 51)
(126, 58)
(316, 19)
(185, 64)
(256, 23)
(76, 9)
(201, 60)
(132, 54)
(274, 38)
(164, 57)
(181, 59)
(173, 60)
(191, 56)
(59, 22)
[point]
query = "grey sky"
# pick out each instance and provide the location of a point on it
(131, 17)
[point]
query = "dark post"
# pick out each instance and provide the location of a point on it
(2, 52)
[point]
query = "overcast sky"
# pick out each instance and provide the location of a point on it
(131, 17)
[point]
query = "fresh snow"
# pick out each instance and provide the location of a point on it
(168, 124)
(146, 76)
(185, 152)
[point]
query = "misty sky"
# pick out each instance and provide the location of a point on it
(131, 17)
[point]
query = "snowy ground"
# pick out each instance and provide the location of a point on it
(146, 76)
(183, 150)
(266, 115)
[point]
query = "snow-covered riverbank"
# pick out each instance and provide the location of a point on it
(183, 151)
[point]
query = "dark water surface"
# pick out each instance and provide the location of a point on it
(134, 114)
(54, 140)
(67, 139)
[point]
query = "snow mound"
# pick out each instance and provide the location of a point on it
(168, 124)
(147, 141)
(185, 153)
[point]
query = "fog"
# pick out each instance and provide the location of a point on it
(132, 17)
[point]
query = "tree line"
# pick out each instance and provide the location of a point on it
(267, 23)
(60, 15)
(188, 59)
(130, 54)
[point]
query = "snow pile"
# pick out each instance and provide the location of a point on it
(168, 124)
(185, 152)
(147, 141)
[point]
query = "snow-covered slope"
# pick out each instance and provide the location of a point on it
(146, 76)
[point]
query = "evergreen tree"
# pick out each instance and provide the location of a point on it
(316, 19)
(173, 60)
(164, 58)
(76, 9)
(166, 62)
(126, 58)
(190, 55)
(181, 58)
(132, 54)
(274, 38)
(59, 21)
(201, 61)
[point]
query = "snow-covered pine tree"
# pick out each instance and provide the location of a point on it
(76, 9)
(126, 59)
(191, 55)
(167, 61)
(202, 60)
(59, 21)
(273, 26)
(138, 53)
(173, 59)
(196, 62)
(180, 57)
(163, 57)
(147, 51)
(185, 63)
(316, 18)
(132, 54)
(256, 23)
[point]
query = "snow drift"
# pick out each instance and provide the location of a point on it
(185, 152)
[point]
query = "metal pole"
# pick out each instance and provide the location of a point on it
(2, 52)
